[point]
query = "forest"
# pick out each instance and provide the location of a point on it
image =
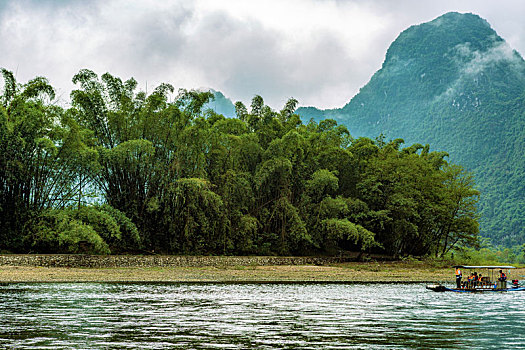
(123, 171)
(461, 88)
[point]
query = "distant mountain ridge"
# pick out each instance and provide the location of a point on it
(220, 104)
(457, 85)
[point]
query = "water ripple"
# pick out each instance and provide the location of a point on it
(247, 316)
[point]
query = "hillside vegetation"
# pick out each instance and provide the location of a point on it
(123, 171)
(455, 84)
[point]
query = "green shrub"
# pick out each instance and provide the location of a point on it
(129, 234)
(101, 222)
(76, 237)
(56, 231)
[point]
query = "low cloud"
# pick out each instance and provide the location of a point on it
(477, 61)
(473, 63)
(320, 52)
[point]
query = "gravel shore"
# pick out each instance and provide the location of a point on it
(347, 272)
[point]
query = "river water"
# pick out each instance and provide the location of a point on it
(256, 316)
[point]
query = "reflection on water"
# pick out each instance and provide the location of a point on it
(261, 316)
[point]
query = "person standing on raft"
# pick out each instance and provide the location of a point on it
(458, 277)
(502, 276)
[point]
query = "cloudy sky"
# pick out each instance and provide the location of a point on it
(318, 51)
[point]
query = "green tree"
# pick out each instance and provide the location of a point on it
(459, 223)
(193, 219)
(41, 154)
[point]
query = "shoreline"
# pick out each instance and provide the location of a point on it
(338, 273)
(226, 270)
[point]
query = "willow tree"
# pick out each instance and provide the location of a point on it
(192, 219)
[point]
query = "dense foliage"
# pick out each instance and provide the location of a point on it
(169, 177)
(487, 254)
(454, 83)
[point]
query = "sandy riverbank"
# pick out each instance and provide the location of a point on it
(346, 272)
(397, 271)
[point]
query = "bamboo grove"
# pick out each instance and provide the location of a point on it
(121, 171)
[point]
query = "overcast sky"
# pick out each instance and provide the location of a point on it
(320, 52)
